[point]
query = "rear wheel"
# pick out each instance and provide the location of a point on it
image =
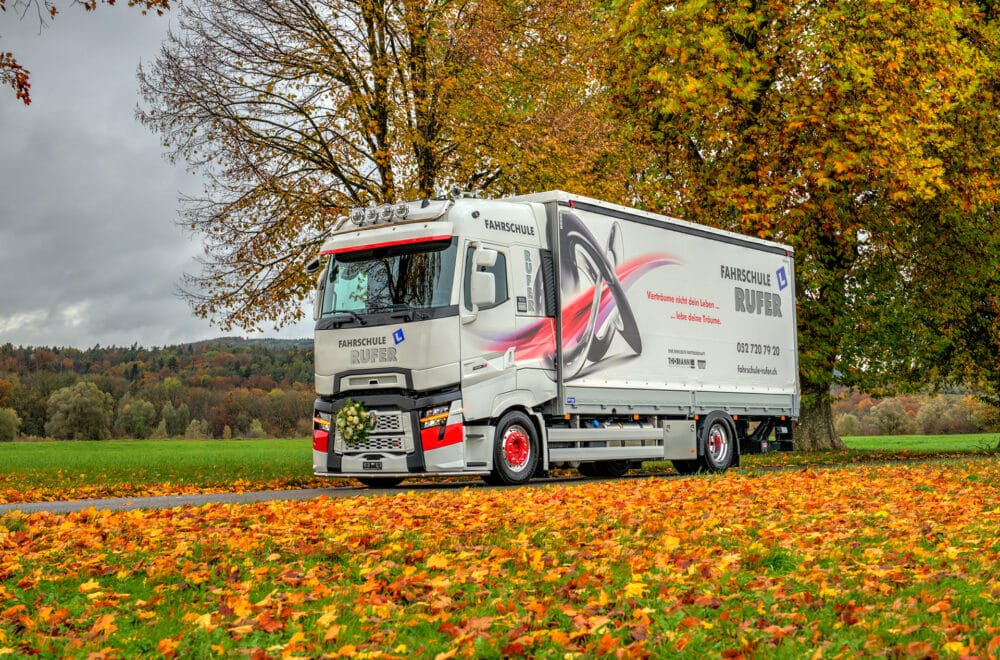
(719, 442)
(381, 482)
(515, 450)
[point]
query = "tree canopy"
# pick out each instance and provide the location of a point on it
(863, 134)
(296, 110)
(80, 412)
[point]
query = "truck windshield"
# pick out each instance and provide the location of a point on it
(388, 279)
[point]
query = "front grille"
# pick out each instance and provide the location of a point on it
(374, 443)
(388, 423)
(388, 434)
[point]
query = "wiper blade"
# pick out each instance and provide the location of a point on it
(353, 315)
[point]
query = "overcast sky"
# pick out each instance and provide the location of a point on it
(89, 249)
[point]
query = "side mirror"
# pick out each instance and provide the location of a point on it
(312, 268)
(484, 257)
(482, 288)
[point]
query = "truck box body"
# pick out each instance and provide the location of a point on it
(550, 329)
(705, 318)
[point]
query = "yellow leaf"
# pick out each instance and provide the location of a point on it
(957, 648)
(635, 589)
(89, 585)
(205, 622)
(437, 561)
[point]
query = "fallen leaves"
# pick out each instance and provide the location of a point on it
(893, 560)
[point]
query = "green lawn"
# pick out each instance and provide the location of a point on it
(34, 471)
(925, 443)
(183, 461)
(44, 471)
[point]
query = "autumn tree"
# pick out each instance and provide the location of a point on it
(863, 134)
(16, 76)
(295, 110)
(10, 424)
(175, 420)
(136, 418)
(80, 412)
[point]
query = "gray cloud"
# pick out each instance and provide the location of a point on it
(89, 249)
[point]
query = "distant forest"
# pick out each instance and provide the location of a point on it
(222, 388)
(238, 388)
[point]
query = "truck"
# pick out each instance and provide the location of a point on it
(504, 338)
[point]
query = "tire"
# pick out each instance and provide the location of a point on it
(381, 482)
(718, 439)
(515, 450)
(588, 470)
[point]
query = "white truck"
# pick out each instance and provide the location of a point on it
(503, 338)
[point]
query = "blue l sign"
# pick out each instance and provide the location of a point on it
(782, 279)
(397, 337)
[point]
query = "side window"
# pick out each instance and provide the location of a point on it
(499, 271)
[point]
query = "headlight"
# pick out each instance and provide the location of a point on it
(436, 416)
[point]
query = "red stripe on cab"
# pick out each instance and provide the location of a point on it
(433, 438)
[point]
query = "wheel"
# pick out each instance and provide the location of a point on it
(719, 441)
(515, 450)
(588, 470)
(381, 482)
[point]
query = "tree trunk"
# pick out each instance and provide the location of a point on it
(815, 431)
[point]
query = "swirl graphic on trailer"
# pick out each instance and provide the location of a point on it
(594, 279)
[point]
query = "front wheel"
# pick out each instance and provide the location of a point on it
(515, 450)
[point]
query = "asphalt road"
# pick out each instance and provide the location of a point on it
(171, 501)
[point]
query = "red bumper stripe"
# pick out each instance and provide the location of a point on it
(433, 438)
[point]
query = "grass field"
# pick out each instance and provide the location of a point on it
(892, 560)
(46, 471)
(925, 443)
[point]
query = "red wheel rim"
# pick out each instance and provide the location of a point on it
(516, 448)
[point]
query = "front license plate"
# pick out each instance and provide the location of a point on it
(371, 465)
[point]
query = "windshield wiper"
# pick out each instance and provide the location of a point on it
(353, 315)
